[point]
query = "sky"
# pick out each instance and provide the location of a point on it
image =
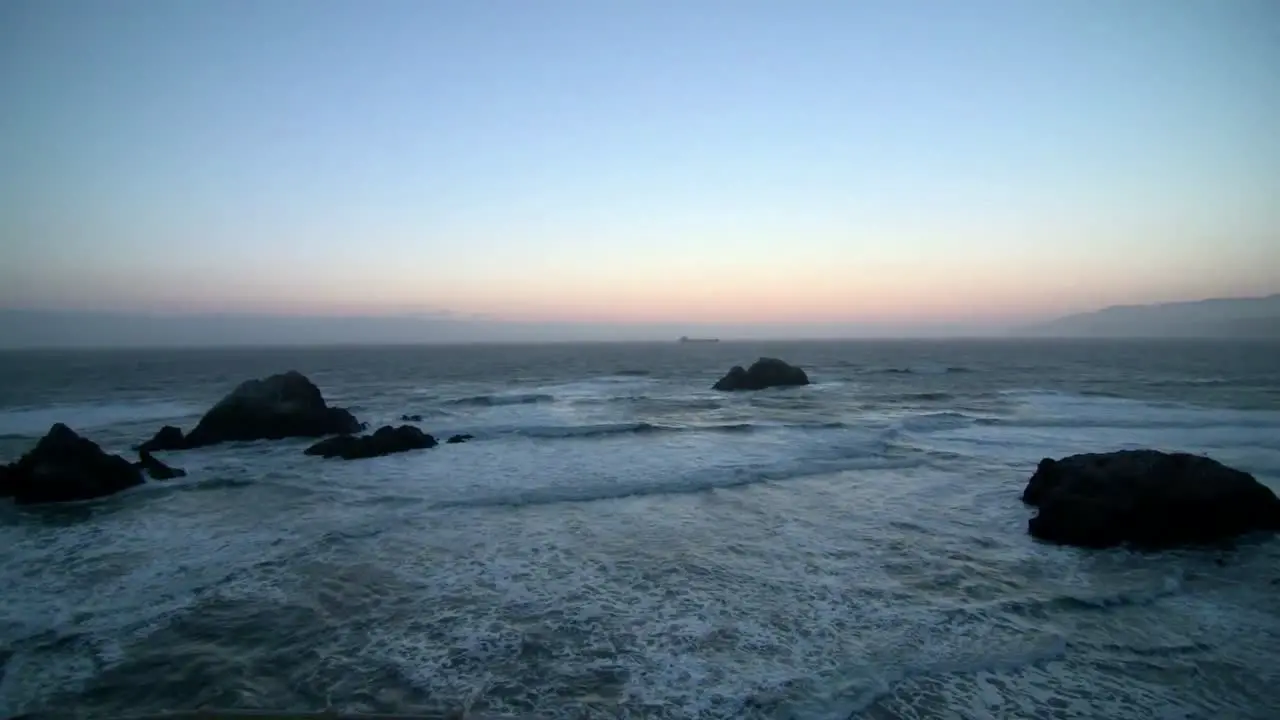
(889, 164)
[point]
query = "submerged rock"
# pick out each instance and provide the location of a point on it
(157, 470)
(455, 439)
(1146, 498)
(763, 373)
(64, 467)
(280, 406)
(384, 441)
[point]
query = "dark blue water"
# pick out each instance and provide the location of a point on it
(619, 541)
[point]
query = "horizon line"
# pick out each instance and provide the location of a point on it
(1019, 339)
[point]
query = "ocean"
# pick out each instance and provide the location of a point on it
(619, 541)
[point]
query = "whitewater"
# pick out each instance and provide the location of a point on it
(620, 541)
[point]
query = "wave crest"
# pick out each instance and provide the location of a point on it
(644, 428)
(920, 370)
(500, 399)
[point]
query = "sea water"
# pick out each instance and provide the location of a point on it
(621, 541)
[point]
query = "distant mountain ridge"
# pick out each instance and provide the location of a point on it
(1257, 317)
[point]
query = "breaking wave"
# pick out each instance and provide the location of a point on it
(501, 399)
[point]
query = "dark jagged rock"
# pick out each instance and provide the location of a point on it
(166, 438)
(1146, 498)
(763, 373)
(281, 406)
(6, 481)
(384, 441)
(157, 470)
(411, 418)
(455, 439)
(64, 467)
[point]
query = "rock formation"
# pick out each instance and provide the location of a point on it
(1146, 498)
(385, 441)
(64, 467)
(281, 406)
(166, 438)
(157, 470)
(763, 373)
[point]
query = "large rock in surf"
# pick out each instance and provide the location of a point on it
(1146, 498)
(384, 441)
(281, 406)
(157, 470)
(64, 467)
(763, 373)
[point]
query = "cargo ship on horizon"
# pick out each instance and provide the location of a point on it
(687, 339)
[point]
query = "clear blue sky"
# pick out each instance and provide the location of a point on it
(638, 160)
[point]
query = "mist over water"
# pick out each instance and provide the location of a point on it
(620, 541)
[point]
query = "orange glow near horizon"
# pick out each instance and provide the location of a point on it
(876, 295)
(841, 284)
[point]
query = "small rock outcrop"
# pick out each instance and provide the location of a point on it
(64, 467)
(281, 406)
(157, 470)
(166, 438)
(386, 440)
(763, 373)
(1145, 498)
(455, 439)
